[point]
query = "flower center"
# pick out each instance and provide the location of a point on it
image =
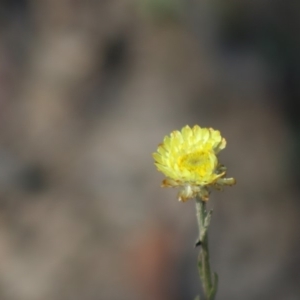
(199, 162)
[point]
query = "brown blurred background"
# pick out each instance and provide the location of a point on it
(87, 91)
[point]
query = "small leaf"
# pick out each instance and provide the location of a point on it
(207, 219)
(214, 288)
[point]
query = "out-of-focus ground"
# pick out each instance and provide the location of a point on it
(87, 91)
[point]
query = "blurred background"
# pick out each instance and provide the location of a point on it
(88, 89)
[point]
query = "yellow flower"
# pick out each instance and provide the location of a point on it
(188, 158)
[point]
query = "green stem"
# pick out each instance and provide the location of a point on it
(203, 218)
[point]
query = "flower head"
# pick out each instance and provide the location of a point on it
(188, 158)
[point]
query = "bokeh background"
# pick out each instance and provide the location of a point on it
(88, 89)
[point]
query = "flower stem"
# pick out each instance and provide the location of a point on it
(209, 283)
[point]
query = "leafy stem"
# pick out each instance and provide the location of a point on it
(209, 280)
